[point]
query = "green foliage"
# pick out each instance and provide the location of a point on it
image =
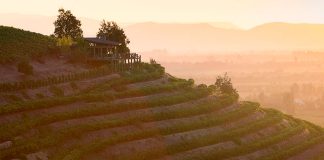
(54, 137)
(56, 91)
(224, 85)
(202, 86)
(208, 120)
(75, 50)
(119, 88)
(12, 97)
(151, 71)
(64, 41)
(24, 67)
(146, 67)
(191, 81)
(267, 141)
(25, 94)
(55, 79)
(212, 87)
(73, 85)
(157, 89)
(85, 95)
(152, 61)
(186, 108)
(16, 43)
(78, 55)
(40, 95)
(67, 25)
(111, 31)
(12, 128)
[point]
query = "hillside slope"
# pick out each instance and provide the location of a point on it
(16, 42)
(147, 114)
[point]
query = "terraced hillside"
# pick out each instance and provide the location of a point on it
(145, 114)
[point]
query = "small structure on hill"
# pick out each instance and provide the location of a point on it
(105, 50)
(101, 47)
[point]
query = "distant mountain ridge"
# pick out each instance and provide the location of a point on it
(211, 36)
(205, 37)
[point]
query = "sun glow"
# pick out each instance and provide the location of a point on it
(245, 13)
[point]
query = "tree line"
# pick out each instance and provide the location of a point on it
(68, 29)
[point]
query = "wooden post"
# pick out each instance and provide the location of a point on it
(131, 62)
(121, 64)
(125, 65)
(115, 65)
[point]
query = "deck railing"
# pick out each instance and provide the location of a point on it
(120, 61)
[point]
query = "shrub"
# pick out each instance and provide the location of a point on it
(152, 67)
(12, 97)
(25, 94)
(40, 95)
(119, 88)
(74, 86)
(24, 67)
(64, 42)
(152, 61)
(212, 88)
(56, 91)
(10, 86)
(77, 55)
(191, 81)
(202, 86)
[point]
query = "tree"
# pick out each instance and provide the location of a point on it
(224, 85)
(67, 25)
(111, 31)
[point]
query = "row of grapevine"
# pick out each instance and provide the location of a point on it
(28, 84)
(53, 138)
(21, 125)
(209, 120)
(84, 95)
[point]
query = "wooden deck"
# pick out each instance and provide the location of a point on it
(120, 62)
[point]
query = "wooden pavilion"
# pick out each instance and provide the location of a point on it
(105, 50)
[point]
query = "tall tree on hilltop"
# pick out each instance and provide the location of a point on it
(67, 25)
(111, 31)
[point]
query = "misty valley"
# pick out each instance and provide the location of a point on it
(292, 82)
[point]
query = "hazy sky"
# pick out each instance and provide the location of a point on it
(245, 13)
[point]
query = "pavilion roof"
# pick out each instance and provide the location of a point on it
(101, 41)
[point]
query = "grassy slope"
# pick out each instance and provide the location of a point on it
(16, 42)
(167, 118)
